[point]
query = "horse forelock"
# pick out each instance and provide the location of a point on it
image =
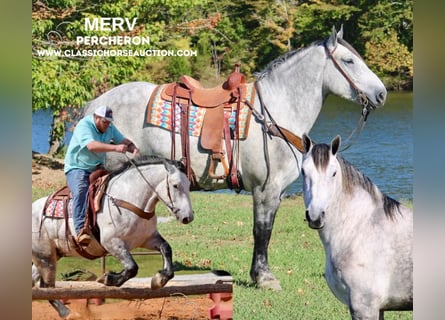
(353, 177)
(320, 155)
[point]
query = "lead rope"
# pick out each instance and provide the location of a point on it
(362, 119)
(362, 98)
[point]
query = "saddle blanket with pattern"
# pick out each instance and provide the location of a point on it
(159, 114)
(55, 209)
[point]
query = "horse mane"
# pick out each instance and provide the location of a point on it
(274, 64)
(283, 58)
(147, 160)
(354, 177)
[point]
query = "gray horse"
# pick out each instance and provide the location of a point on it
(367, 236)
(293, 89)
(126, 221)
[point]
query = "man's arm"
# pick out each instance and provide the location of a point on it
(96, 146)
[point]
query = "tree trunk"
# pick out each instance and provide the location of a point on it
(57, 134)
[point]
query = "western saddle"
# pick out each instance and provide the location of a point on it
(215, 127)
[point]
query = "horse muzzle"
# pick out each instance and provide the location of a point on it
(184, 218)
(317, 223)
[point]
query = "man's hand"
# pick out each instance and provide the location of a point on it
(122, 148)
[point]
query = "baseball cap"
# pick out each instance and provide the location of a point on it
(104, 112)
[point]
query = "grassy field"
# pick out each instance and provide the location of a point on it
(221, 238)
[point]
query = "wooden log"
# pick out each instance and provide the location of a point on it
(138, 288)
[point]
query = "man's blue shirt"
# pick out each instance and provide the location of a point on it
(78, 156)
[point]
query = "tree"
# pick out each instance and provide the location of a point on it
(387, 32)
(253, 32)
(65, 83)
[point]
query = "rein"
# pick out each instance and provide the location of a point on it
(138, 211)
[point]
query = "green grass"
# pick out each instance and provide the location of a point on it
(220, 237)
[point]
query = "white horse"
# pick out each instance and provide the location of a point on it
(367, 236)
(140, 184)
(292, 89)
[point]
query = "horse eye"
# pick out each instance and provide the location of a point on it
(348, 61)
(334, 173)
(175, 186)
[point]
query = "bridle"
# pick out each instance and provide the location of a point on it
(363, 99)
(271, 128)
(170, 205)
(138, 211)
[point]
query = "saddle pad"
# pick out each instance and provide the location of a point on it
(55, 209)
(159, 114)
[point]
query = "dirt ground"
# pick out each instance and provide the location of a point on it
(171, 308)
(48, 173)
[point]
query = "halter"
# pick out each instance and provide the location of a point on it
(273, 129)
(363, 99)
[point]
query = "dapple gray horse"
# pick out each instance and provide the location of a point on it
(367, 236)
(141, 183)
(293, 89)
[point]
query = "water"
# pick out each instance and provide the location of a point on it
(384, 151)
(41, 131)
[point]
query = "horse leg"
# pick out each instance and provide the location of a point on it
(45, 268)
(265, 206)
(35, 274)
(161, 278)
(116, 279)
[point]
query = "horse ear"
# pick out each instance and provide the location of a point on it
(169, 167)
(307, 143)
(335, 144)
(331, 43)
(340, 32)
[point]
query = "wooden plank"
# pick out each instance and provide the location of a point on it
(137, 288)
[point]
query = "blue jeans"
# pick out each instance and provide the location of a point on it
(78, 181)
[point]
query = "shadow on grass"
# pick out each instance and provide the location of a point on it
(178, 266)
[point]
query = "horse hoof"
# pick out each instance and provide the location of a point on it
(273, 285)
(158, 281)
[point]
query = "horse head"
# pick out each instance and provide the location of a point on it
(177, 197)
(358, 83)
(320, 179)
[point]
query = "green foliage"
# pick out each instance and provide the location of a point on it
(177, 67)
(223, 33)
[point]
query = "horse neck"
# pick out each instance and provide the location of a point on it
(140, 190)
(293, 91)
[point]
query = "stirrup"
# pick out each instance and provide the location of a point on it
(84, 239)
